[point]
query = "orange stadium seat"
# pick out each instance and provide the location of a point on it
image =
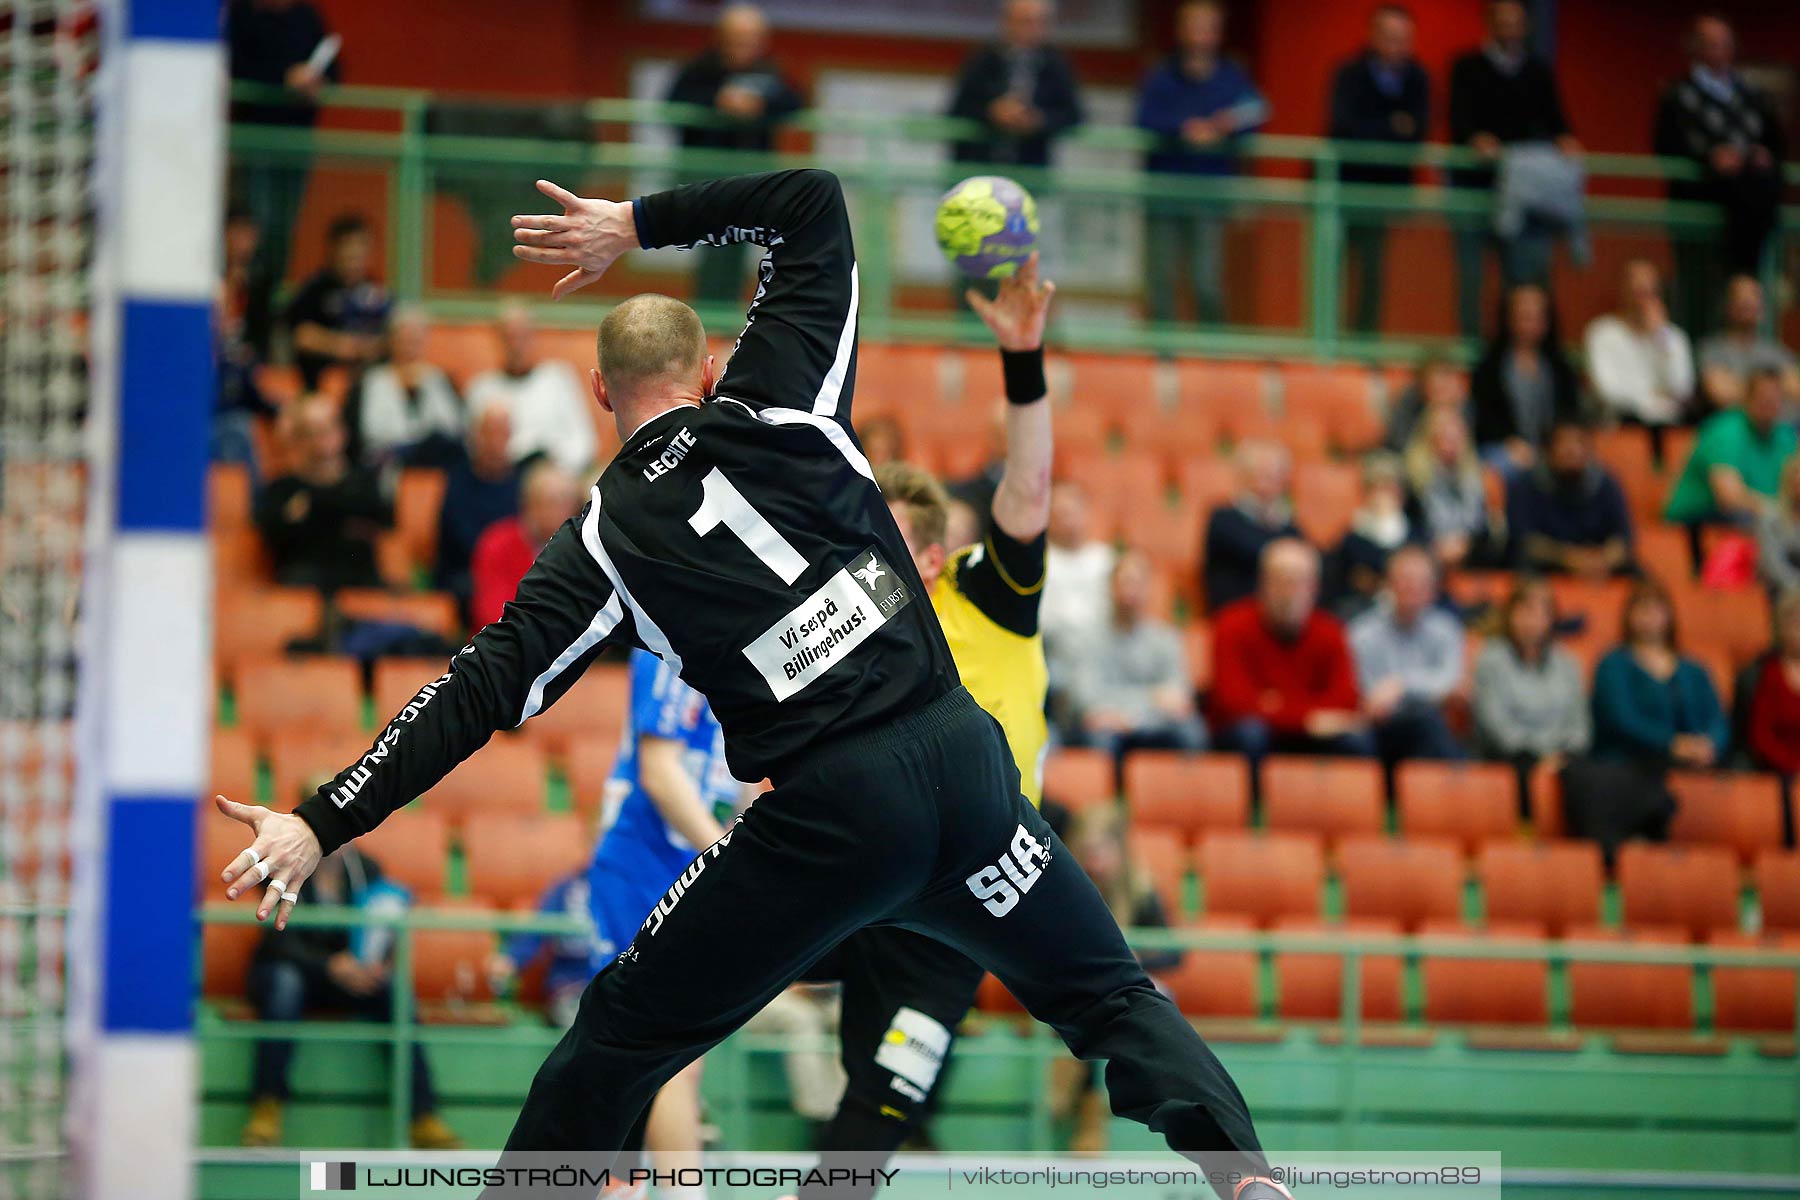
(1631, 995)
(1310, 987)
(1470, 802)
(1778, 889)
(1208, 482)
(240, 560)
(434, 612)
(233, 770)
(1262, 876)
(322, 694)
(1176, 434)
(260, 622)
(1118, 385)
(1741, 812)
(1692, 888)
(1164, 860)
(1125, 491)
(451, 964)
(1197, 644)
(1339, 399)
(1754, 999)
(508, 775)
(1734, 623)
(1325, 499)
(1087, 431)
(225, 954)
(513, 859)
(1187, 795)
(1485, 991)
(1215, 984)
(1331, 797)
(1662, 551)
(593, 709)
(228, 496)
(299, 759)
(398, 680)
(1221, 387)
(1550, 885)
(992, 997)
(418, 499)
(1078, 778)
(1172, 539)
(586, 767)
(412, 848)
(1407, 881)
(464, 350)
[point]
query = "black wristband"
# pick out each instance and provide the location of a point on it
(1023, 371)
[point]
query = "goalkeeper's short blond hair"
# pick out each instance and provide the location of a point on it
(927, 503)
(649, 338)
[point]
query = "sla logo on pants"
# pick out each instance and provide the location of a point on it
(1000, 886)
(333, 1176)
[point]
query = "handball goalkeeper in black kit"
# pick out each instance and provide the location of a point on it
(740, 536)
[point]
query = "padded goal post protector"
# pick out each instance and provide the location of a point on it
(146, 704)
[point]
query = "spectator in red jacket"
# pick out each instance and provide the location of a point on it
(548, 496)
(1283, 678)
(1775, 705)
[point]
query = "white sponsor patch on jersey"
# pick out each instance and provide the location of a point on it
(913, 1048)
(824, 628)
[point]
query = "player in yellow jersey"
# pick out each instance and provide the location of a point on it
(905, 993)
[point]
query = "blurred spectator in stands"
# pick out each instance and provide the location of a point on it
(749, 95)
(1501, 94)
(570, 959)
(1735, 471)
(1437, 382)
(1381, 95)
(548, 496)
(277, 43)
(1523, 384)
(962, 524)
(1569, 515)
(1202, 105)
(1650, 703)
(1075, 606)
(1713, 116)
(1409, 661)
(1020, 87)
(1778, 533)
(1449, 492)
(1283, 678)
(339, 317)
(1774, 725)
(1379, 526)
(1530, 703)
(244, 330)
(1640, 363)
(309, 968)
(320, 520)
(1097, 837)
(480, 489)
(1237, 532)
(1729, 356)
(406, 409)
(544, 397)
(883, 441)
(1131, 687)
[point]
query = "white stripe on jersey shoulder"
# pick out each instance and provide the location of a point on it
(833, 430)
(604, 622)
(652, 636)
(831, 388)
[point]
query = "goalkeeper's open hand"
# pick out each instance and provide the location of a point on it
(284, 854)
(1017, 312)
(589, 236)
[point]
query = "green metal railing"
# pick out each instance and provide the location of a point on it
(402, 1031)
(894, 157)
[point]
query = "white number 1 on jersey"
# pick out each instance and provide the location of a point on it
(722, 504)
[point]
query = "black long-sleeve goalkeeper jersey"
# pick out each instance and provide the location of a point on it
(743, 541)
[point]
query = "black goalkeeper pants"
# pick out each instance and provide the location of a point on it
(919, 825)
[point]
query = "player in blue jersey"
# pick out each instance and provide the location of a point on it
(669, 797)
